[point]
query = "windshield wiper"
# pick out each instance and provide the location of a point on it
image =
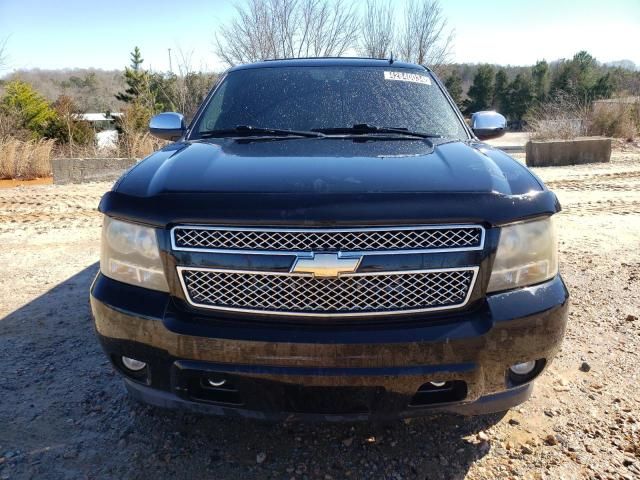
(251, 131)
(365, 128)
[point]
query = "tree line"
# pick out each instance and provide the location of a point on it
(39, 104)
(26, 113)
(515, 91)
(44, 104)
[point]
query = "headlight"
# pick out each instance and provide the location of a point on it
(130, 254)
(527, 254)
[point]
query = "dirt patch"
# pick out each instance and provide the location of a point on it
(64, 413)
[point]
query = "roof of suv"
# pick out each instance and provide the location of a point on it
(329, 61)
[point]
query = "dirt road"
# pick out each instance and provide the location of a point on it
(64, 413)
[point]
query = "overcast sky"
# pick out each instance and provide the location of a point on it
(81, 33)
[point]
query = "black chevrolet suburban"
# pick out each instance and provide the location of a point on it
(328, 239)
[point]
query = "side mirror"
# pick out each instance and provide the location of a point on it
(487, 125)
(167, 126)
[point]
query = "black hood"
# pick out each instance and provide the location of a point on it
(326, 166)
(288, 180)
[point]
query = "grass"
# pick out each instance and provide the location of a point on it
(29, 159)
(619, 120)
(565, 118)
(561, 118)
(25, 159)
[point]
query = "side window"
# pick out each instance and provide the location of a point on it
(212, 113)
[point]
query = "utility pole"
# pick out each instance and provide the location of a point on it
(170, 67)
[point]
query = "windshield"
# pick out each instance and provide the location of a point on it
(325, 98)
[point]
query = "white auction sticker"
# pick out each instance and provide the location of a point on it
(407, 77)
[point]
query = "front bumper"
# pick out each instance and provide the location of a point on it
(362, 371)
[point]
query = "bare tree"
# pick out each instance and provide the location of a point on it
(377, 29)
(191, 85)
(3, 47)
(425, 38)
(67, 111)
(265, 29)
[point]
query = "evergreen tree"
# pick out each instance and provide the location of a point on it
(500, 90)
(560, 82)
(454, 87)
(584, 73)
(150, 91)
(30, 108)
(136, 78)
(540, 74)
(603, 87)
(520, 97)
(481, 91)
(581, 79)
(162, 91)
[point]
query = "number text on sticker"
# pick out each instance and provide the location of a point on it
(407, 77)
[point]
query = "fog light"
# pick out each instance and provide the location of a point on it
(216, 382)
(523, 368)
(133, 364)
(438, 384)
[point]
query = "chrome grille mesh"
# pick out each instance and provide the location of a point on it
(364, 240)
(362, 294)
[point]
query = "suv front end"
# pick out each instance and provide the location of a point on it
(216, 336)
(347, 275)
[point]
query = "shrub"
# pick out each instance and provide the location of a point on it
(66, 128)
(25, 114)
(28, 108)
(10, 125)
(619, 119)
(562, 117)
(135, 141)
(139, 145)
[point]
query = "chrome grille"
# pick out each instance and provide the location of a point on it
(365, 240)
(352, 294)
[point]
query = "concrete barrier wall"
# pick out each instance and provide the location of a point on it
(550, 153)
(84, 170)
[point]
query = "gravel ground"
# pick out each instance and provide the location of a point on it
(64, 412)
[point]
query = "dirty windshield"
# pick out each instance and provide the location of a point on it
(326, 98)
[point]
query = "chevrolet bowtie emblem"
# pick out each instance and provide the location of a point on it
(326, 265)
